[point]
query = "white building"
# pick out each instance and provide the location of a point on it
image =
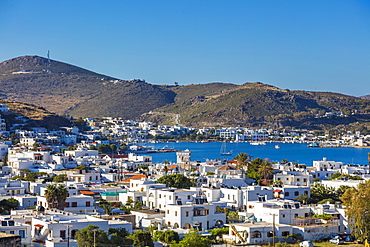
(3, 150)
(12, 225)
(258, 232)
(56, 226)
(297, 178)
(200, 214)
(324, 165)
(80, 152)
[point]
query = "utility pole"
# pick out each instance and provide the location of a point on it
(68, 226)
(94, 237)
(273, 230)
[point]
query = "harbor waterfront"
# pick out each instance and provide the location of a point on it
(293, 152)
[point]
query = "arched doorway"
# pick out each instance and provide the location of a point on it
(186, 226)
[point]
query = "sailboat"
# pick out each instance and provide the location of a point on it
(223, 151)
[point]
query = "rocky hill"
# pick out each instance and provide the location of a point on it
(258, 104)
(68, 89)
(32, 116)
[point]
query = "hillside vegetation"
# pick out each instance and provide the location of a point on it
(36, 116)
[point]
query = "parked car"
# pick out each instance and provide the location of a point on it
(336, 240)
(306, 244)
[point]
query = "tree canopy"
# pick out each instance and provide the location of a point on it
(142, 239)
(321, 194)
(193, 239)
(357, 209)
(8, 204)
(85, 236)
(168, 237)
(112, 237)
(179, 181)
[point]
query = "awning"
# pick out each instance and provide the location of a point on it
(87, 192)
(277, 191)
(39, 225)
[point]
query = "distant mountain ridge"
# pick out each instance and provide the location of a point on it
(68, 89)
(258, 104)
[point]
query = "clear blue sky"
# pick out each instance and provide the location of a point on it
(320, 45)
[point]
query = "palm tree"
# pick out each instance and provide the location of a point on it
(50, 195)
(265, 170)
(56, 196)
(62, 194)
(243, 160)
(165, 169)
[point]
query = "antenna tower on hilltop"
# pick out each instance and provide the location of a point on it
(48, 58)
(49, 63)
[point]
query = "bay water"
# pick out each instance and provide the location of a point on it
(293, 152)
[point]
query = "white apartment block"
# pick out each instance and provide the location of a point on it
(324, 165)
(75, 204)
(296, 178)
(57, 226)
(200, 214)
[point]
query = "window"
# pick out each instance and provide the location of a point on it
(296, 193)
(283, 215)
(22, 233)
(186, 213)
(295, 215)
(160, 206)
(169, 197)
(285, 234)
(298, 179)
(160, 195)
(74, 204)
(256, 234)
(176, 197)
(286, 194)
(175, 213)
(63, 233)
(168, 211)
(67, 204)
(87, 204)
(305, 180)
(188, 197)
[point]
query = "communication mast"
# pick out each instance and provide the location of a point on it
(48, 58)
(49, 63)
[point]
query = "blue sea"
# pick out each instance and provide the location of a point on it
(293, 152)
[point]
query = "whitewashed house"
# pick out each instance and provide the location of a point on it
(200, 214)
